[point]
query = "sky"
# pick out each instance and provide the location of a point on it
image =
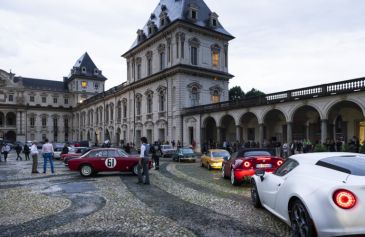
(279, 44)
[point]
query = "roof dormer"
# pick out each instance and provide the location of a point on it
(152, 28)
(140, 35)
(164, 19)
(193, 12)
(213, 20)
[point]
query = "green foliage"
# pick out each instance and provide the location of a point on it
(320, 148)
(253, 92)
(346, 148)
(362, 149)
(236, 93)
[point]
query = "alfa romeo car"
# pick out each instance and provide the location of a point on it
(244, 163)
(213, 159)
(317, 194)
(105, 160)
(184, 154)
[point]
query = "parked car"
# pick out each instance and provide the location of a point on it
(213, 159)
(244, 163)
(105, 160)
(184, 154)
(167, 151)
(317, 194)
(74, 152)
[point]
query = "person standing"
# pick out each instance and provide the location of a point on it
(155, 156)
(47, 152)
(5, 150)
(26, 151)
(34, 154)
(143, 162)
(1, 149)
(18, 149)
(65, 149)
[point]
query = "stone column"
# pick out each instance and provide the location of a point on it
(218, 136)
(261, 134)
(238, 133)
(289, 132)
(307, 131)
(324, 130)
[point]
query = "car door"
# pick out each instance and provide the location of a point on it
(272, 183)
(125, 162)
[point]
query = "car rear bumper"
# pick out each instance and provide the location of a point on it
(216, 165)
(240, 174)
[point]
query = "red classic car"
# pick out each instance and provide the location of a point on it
(105, 160)
(245, 162)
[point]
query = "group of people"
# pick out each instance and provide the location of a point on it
(47, 153)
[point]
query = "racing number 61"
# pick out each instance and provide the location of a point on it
(110, 163)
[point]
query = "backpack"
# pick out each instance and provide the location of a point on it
(147, 150)
(152, 150)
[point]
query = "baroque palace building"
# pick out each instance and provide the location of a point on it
(176, 89)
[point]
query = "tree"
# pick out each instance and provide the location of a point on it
(236, 93)
(253, 92)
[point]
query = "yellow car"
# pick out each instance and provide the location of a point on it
(213, 158)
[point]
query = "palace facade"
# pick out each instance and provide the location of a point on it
(176, 88)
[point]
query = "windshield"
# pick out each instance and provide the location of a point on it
(187, 151)
(220, 153)
(122, 152)
(354, 165)
(256, 153)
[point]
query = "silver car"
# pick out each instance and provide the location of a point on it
(317, 194)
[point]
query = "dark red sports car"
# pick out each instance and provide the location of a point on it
(245, 162)
(105, 160)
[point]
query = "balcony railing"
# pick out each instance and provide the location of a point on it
(349, 86)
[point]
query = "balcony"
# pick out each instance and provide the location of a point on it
(149, 116)
(161, 114)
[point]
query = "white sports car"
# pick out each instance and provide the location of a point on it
(317, 194)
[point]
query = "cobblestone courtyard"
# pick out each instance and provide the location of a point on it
(182, 200)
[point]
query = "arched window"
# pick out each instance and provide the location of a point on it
(194, 96)
(216, 96)
(107, 114)
(119, 112)
(162, 101)
(111, 112)
(124, 108)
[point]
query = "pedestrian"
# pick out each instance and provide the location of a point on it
(26, 151)
(5, 150)
(143, 162)
(65, 149)
(34, 154)
(47, 152)
(1, 147)
(127, 148)
(18, 149)
(155, 156)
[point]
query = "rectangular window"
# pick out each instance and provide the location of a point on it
(44, 99)
(162, 103)
(55, 100)
(215, 59)
(194, 56)
(149, 67)
(182, 49)
(215, 99)
(31, 98)
(125, 110)
(139, 71)
(44, 122)
(11, 98)
(44, 136)
(169, 53)
(138, 107)
(32, 122)
(66, 101)
(162, 60)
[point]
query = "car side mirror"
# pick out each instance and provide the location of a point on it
(261, 174)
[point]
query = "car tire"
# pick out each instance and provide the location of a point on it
(135, 170)
(233, 179)
(209, 167)
(86, 170)
(301, 222)
(224, 176)
(255, 198)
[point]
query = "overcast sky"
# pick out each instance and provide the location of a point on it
(279, 44)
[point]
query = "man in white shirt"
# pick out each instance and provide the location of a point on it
(143, 163)
(47, 151)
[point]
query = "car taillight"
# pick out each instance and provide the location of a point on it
(279, 162)
(246, 164)
(344, 199)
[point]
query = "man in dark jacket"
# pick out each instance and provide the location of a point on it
(18, 149)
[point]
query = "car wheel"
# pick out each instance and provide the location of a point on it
(209, 167)
(233, 179)
(255, 195)
(86, 170)
(135, 170)
(223, 172)
(301, 223)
